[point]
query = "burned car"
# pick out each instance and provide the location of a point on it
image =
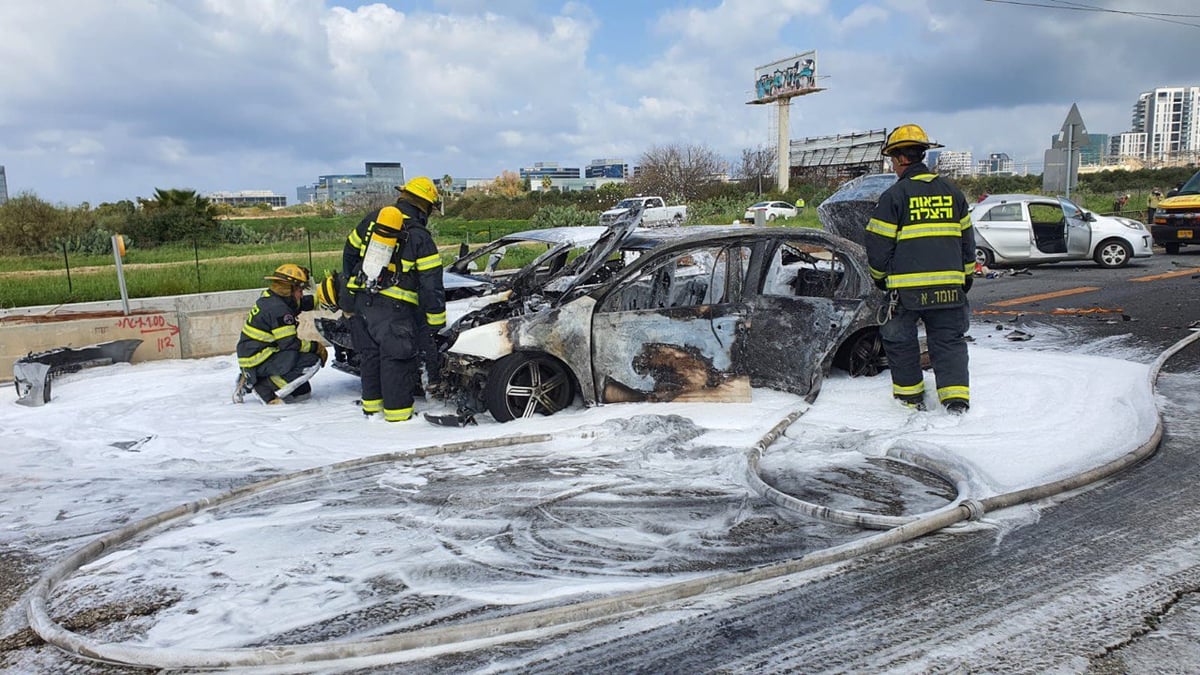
(704, 313)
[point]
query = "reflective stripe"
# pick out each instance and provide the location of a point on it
(438, 319)
(876, 274)
(965, 222)
(406, 265)
(429, 262)
(257, 334)
(401, 294)
(930, 230)
(397, 415)
(278, 381)
(945, 393)
(256, 359)
(918, 279)
(910, 390)
(969, 268)
(284, 331)
(354, 240)
(924, 177)
(372, 406)
(881, 228)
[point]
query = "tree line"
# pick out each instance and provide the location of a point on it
(683, 174)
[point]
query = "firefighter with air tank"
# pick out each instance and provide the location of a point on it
(394, 280)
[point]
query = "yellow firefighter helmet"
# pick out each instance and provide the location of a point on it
(423, 188)
(907, 136)
(290, 273)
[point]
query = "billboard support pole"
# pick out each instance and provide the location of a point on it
(784, 152)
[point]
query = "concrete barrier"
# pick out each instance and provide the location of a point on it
(170, 327)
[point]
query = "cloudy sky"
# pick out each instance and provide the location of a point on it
(108, 101)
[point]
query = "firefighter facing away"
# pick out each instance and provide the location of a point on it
(921, 251)
(276, 363)
(394, 273)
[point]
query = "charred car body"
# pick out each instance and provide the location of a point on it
(691, 313)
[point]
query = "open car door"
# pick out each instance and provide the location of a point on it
(1077, 229)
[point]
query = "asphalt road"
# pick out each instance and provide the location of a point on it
(1103, 581)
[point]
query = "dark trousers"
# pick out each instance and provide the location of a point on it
(944, 331)
(384, 337)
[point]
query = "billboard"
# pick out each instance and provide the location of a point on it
(790, 77)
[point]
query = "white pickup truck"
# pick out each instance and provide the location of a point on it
(655, 212)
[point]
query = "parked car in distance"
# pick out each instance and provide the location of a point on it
(654, 212)
(1024, 229)
(702, 314)
(1177, 218)
(773, 210)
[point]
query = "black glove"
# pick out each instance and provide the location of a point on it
(881, 284)
(967, 281)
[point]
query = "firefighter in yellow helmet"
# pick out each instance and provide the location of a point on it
(394, 275)
(275, 362)
(921, 251)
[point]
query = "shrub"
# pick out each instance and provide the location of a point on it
(561, 216)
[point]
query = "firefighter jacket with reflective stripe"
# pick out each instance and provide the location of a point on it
(414, 274)
(271, 327)
(920, 235)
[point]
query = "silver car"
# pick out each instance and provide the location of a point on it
(1023, 229)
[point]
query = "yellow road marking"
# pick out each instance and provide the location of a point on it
(1060, 311)
(1168, 275)
(1043, 296)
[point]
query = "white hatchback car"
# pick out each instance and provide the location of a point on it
(774, 210)
(1023, 229)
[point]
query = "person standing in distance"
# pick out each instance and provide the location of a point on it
(394, 273)
(921, 250)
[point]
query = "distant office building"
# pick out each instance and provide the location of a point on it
(606, 168)
(1096, 150)
(997, 164)
(3, 186)
(380, 177)
(540, 170)
(1170, 119)
(573, 184)
(955, 163)
(1128, 144)
(248, 198)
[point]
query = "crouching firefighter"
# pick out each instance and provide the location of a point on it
(275, 362)
(394, 272)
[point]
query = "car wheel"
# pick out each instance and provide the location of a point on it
(678, 218)
(862, 355)
(770, 217)
(522, 384)
(984, 257)
(1113, 253)
(1172, 249)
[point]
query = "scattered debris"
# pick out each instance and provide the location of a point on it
(1019, 336)
(32, 373)
(131, 446)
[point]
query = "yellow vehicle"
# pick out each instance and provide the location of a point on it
(1177, 218)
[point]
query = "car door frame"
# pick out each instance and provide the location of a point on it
(688, 352)
(1008, 240)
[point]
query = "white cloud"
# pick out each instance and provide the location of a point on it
(326, 88)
